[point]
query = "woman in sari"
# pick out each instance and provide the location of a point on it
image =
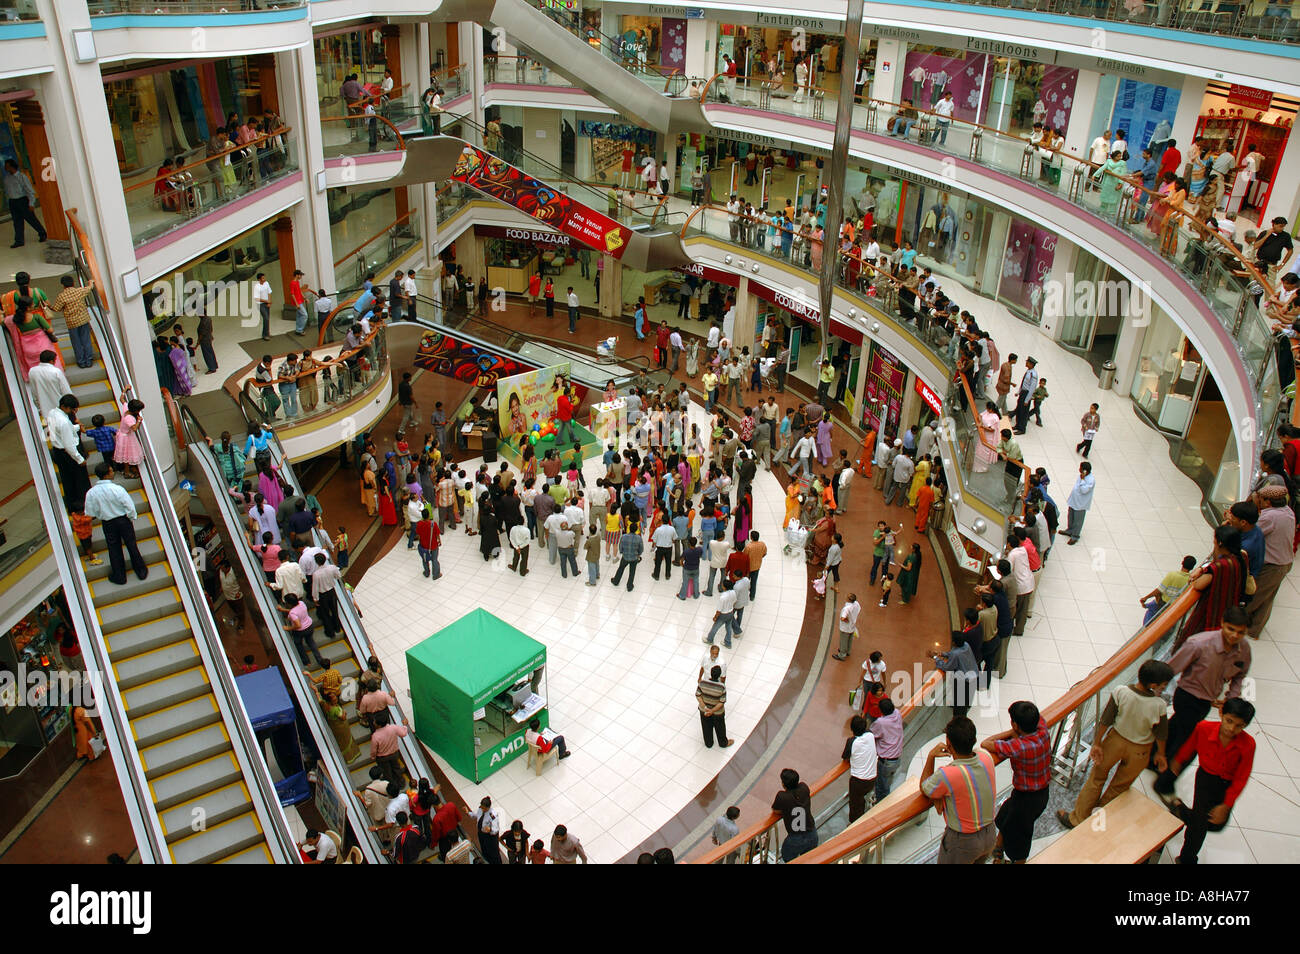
(791, 503)
(83, 730)
(744, 519)
(268, 482)
(1221, 580)
(387, 509)
(1157, 214)
(918, 480)
(868, 451)
(369, 492)
(823, 535)
(180, 361)
(824, 449)
(31, 334)
(986, 437)
(230, 459)
(1110, 177)
(1173, 218)
(924, 502)
(339, 725)
(910, 574)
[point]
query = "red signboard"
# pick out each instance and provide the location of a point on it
(932, 400)
(498, 179)
(1249, 97)
(801, 306)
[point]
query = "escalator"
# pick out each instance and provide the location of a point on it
(640, 237)
(347, 652)
(191, 769)
(597, 63)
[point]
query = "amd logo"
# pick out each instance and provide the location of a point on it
(514, 745)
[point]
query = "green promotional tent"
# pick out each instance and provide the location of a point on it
(459, 670)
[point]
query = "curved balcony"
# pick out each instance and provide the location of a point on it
(167, 29)
(1193, 273)
(360, 150)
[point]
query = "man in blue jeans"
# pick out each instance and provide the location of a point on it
(943, 118)
(725, 616)
(794, 802)
(430, 538)
(888, 730)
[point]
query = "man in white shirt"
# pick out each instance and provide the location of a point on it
(262, 301)
(48, 384)
(900, 479)
(842, 483)
(321, 847)
(802, 454)
(1098, 153)
(712, 657)
(289, 577)
(552, 526)
(663, 539)
(410, 293)
(65, 450)
(943, 111)
(873, 251)
(860, 753)
(1023, 579)
(741, 588)
(573, 310)
(719, 551)
(848, 624)
(724, 618)
(714, 338)
(110, 503)
(324, 305)
(677, 346)
(487, 820)
(733, 218)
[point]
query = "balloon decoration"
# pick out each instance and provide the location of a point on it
(543, 431)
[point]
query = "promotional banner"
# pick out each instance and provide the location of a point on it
(498, 179)
(463, 360)
(1140, 108)
(616, 131)
(883, 400)
(1025, 265)
(526, 406)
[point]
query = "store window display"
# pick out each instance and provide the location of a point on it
(1164, 385)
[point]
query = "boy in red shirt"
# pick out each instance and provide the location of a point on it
(1227, 754)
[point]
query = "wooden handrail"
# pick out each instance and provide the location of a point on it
(393, 224)
(169, 403)
(871, 827)
(329, 319)
(362, 117)
(87, 256)
(283, 130)
(718, 852)
(340, 358)
(372, 98)
(23, 489)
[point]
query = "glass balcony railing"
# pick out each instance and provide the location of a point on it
(341, 374)
(177, 7)
(617, 49)
(366, 135)
(380, 252)
(521, 71)
(174, 197)
(22, 529)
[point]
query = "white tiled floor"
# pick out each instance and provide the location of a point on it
(620, 678)
(1145, 517)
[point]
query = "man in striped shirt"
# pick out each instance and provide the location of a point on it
(964, 792)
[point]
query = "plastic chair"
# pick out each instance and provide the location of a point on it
(539, 758)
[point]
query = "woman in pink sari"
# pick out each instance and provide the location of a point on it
(180, 359)
(27, 326)
(986, 437)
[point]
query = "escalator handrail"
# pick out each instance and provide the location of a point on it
(871, 827)
(275, 826)
(412, 750)
(308, 704)
(151, 840)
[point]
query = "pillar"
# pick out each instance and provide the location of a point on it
(283, 228)
(392, 35)
(860, 388)
(401, 201)
(1079, 133)
(743, 335)
(31, 120)
(267, 81)
(1054, 306)
(887, 85)
(311, 218)
(699, 40)
(611, 288)
(1190, 99)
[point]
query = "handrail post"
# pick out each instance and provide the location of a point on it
(873, 110)
(1027, 161)
(1075, 193)
(976, 139)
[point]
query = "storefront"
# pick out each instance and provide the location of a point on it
(159, 112)
(513, 255)
(40, 672)
(1026, 262)
(1236, 118)
(359, 51)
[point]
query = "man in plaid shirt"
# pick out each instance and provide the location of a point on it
(1028, 746)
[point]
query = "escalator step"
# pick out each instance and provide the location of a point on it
(126, 643)
(174, 720)
(191, 781)
(156, 663)
(210, 808)
(256, 855)
(139, 609)
(144, 528)
(105, 593)
(150, 549)
(218, 841)
(166, 691)
(184, 749)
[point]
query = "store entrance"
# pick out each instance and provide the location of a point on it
(1094, 313)
(1200, 454)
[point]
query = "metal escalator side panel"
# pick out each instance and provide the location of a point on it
(271, 819)
(332, 762)
(145, 823)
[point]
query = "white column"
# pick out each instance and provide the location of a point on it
(888, 84)
(1189, 110)
(76, 118)
(1054, 306)
(311, 226)
(699, 48)
(1128, 346)
(542, 134)
(1078, 133)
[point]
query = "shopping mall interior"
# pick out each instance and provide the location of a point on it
(834, 300)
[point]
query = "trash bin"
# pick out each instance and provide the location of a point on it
(1107, 376)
